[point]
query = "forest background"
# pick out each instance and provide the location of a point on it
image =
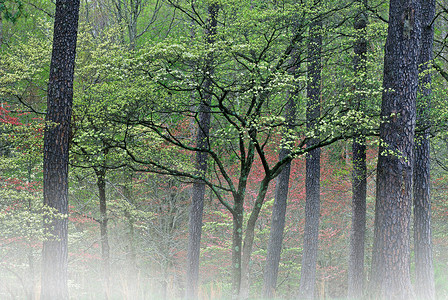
(147, 75)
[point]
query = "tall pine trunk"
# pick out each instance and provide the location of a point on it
(424, 273)
(56, 146)
(280, 203)
(359, 179)
(312, 181)
(390, 277)
(198, 192)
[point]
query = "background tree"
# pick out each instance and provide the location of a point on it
(281, 195)
(312, 208)
(202, 140)
(10, 11)
(359, 181)
(93, 145)
(424, 272)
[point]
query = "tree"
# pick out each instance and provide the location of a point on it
(128, 13)
(280, 203)
(390, 273)
(424, 273)
(21, 204)
(93, 136)
(10, 11)
(202, 140)
(359, 178)
(252, 55)
(312, 183)
(56, 149)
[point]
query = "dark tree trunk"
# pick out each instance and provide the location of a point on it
(56, 146)
(31, 263)
(105, 250)
(1, 30)
(277, 228)
(131, 255)
(134, 10)
(132, 269)
(237, 215)
(390, 278)
(279, 209)
(249, 237)
(237, 244)
(198, 192)
(357, 237)
(312, 181)
(359, 180)
(424, 273)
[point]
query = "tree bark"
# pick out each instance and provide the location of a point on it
(131, 254)
(237, 215)
(424, 273)
(105, 249)
(277, 229)
(198, 192)
(56, 146)
(357, 237)
(249, 238)
(390, 277)
(312, 181)
(132, 23)
(359, 178)
(279, 208)
(1, 30)
(237, 244)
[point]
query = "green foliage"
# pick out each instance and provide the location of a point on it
(11, 10)
(135, 119)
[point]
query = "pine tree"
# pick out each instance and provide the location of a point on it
(312, 181)
(359, 178)
(56, 149)
(390, 276)
(424, 273)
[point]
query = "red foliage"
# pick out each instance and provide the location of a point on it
(5, 116)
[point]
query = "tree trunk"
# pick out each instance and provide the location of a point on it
(424, 273)
(237, 243)
(237, 215)
(198, 192)
(105, 249)
(277, 228)
(312, 181)
(359, 179)
(357, 234)
(132, 30)
(390, 278)
(31, 263)
(249, 238)
(131, 255)
(279, 209)
(56, 146)
(1, 30)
